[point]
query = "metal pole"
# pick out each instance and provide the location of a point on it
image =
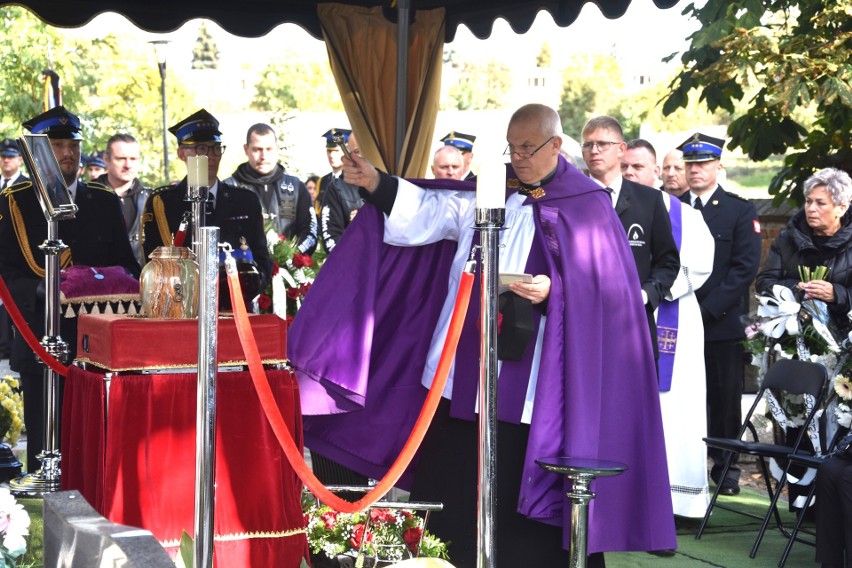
(205, 438)
(46, 478)
(488, 223)
(162, 66)
(402, 29)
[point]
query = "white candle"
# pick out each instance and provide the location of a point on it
(196, 171)
(491, 186)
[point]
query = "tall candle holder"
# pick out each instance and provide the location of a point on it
(197, 193)
(489, 223)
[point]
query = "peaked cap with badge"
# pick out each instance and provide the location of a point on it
(96, 158)
(330, 144)
(57, 123)
(9, 148)
(464, 142)
(701, 148)
(198, 127)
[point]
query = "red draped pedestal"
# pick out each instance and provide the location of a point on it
(136, 463)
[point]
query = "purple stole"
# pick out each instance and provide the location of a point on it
(667, 314)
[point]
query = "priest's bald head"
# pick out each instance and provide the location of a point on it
(534, 142)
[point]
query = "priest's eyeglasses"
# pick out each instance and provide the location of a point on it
(524, 153)
(206, 150)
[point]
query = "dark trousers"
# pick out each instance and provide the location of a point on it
(447, 473)
(33, 389)
(724, 364)
(5, 333)
(834, 513)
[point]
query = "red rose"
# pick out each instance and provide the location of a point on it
(302, 260)
(329, 519)
(289, 321)
(303, 289)
(292, 293)
(412, 538)
(381, 516)
(358, 535)
(275, 268)
(264, 302)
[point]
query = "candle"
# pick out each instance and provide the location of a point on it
(491, 186)
(196, 171)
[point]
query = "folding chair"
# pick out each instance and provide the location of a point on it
(809, 461)
(788, 376)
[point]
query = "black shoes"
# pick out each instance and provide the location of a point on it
(730, 485)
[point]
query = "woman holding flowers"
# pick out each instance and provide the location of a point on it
(813, 255)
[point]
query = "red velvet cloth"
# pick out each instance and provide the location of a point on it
(143, 473)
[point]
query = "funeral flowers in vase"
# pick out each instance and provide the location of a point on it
(293, 273)
(374, 536)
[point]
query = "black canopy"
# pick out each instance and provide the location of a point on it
(258, 17)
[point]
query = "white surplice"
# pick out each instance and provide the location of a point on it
(684, 406)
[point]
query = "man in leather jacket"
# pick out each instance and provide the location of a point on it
(284, 199)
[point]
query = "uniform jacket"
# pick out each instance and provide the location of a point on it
(237, 214)
(95, 237)
(733, 223)
(340, 206)
(649, 232)
(285, 202)
(795, 247)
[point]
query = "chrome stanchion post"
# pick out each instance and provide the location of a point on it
(205, 438)
(46, 478)
(489, 222)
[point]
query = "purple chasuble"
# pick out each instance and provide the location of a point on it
(360, 340)
(668, 312)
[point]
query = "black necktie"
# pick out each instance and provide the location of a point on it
(210, 204)
(698, 204)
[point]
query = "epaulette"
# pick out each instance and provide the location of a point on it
(734, 195)
(161, 189)
(99, 185)
(26, 184)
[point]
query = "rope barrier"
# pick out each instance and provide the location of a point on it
(285, 439)
(27, 333)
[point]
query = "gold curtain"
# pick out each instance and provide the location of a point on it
(362, 49)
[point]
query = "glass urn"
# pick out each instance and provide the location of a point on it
(169, 284)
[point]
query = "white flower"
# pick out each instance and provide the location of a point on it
(16, 521)
(782, 310)
(844, 415)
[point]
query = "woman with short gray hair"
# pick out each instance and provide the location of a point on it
(820, 234)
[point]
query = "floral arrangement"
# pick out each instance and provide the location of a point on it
(14, 526)
(785, 328)
(11, 410)
(293, 274)
(843, 412)
(383, 535)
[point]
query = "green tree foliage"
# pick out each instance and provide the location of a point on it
(110, 83)
(481, 87)
(787, 60)
(205, 54)
(289, 85)
(592, 85)
(544, 58)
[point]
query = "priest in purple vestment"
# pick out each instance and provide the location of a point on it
(581, 383)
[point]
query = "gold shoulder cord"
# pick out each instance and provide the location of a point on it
(162, 222)
(24, 242)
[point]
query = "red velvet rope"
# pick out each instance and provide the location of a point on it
(276, 421)
(27, 333)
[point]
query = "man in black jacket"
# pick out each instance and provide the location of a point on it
(285, 200)
(340, 206)
(234, 210)
(95, 237)
(641, 211)
(723, 298)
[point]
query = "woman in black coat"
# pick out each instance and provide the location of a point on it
(818, 235)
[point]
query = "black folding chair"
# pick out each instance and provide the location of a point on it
(786, 376)
(808, 461)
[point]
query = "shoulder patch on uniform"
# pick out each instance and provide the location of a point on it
(740, 197)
